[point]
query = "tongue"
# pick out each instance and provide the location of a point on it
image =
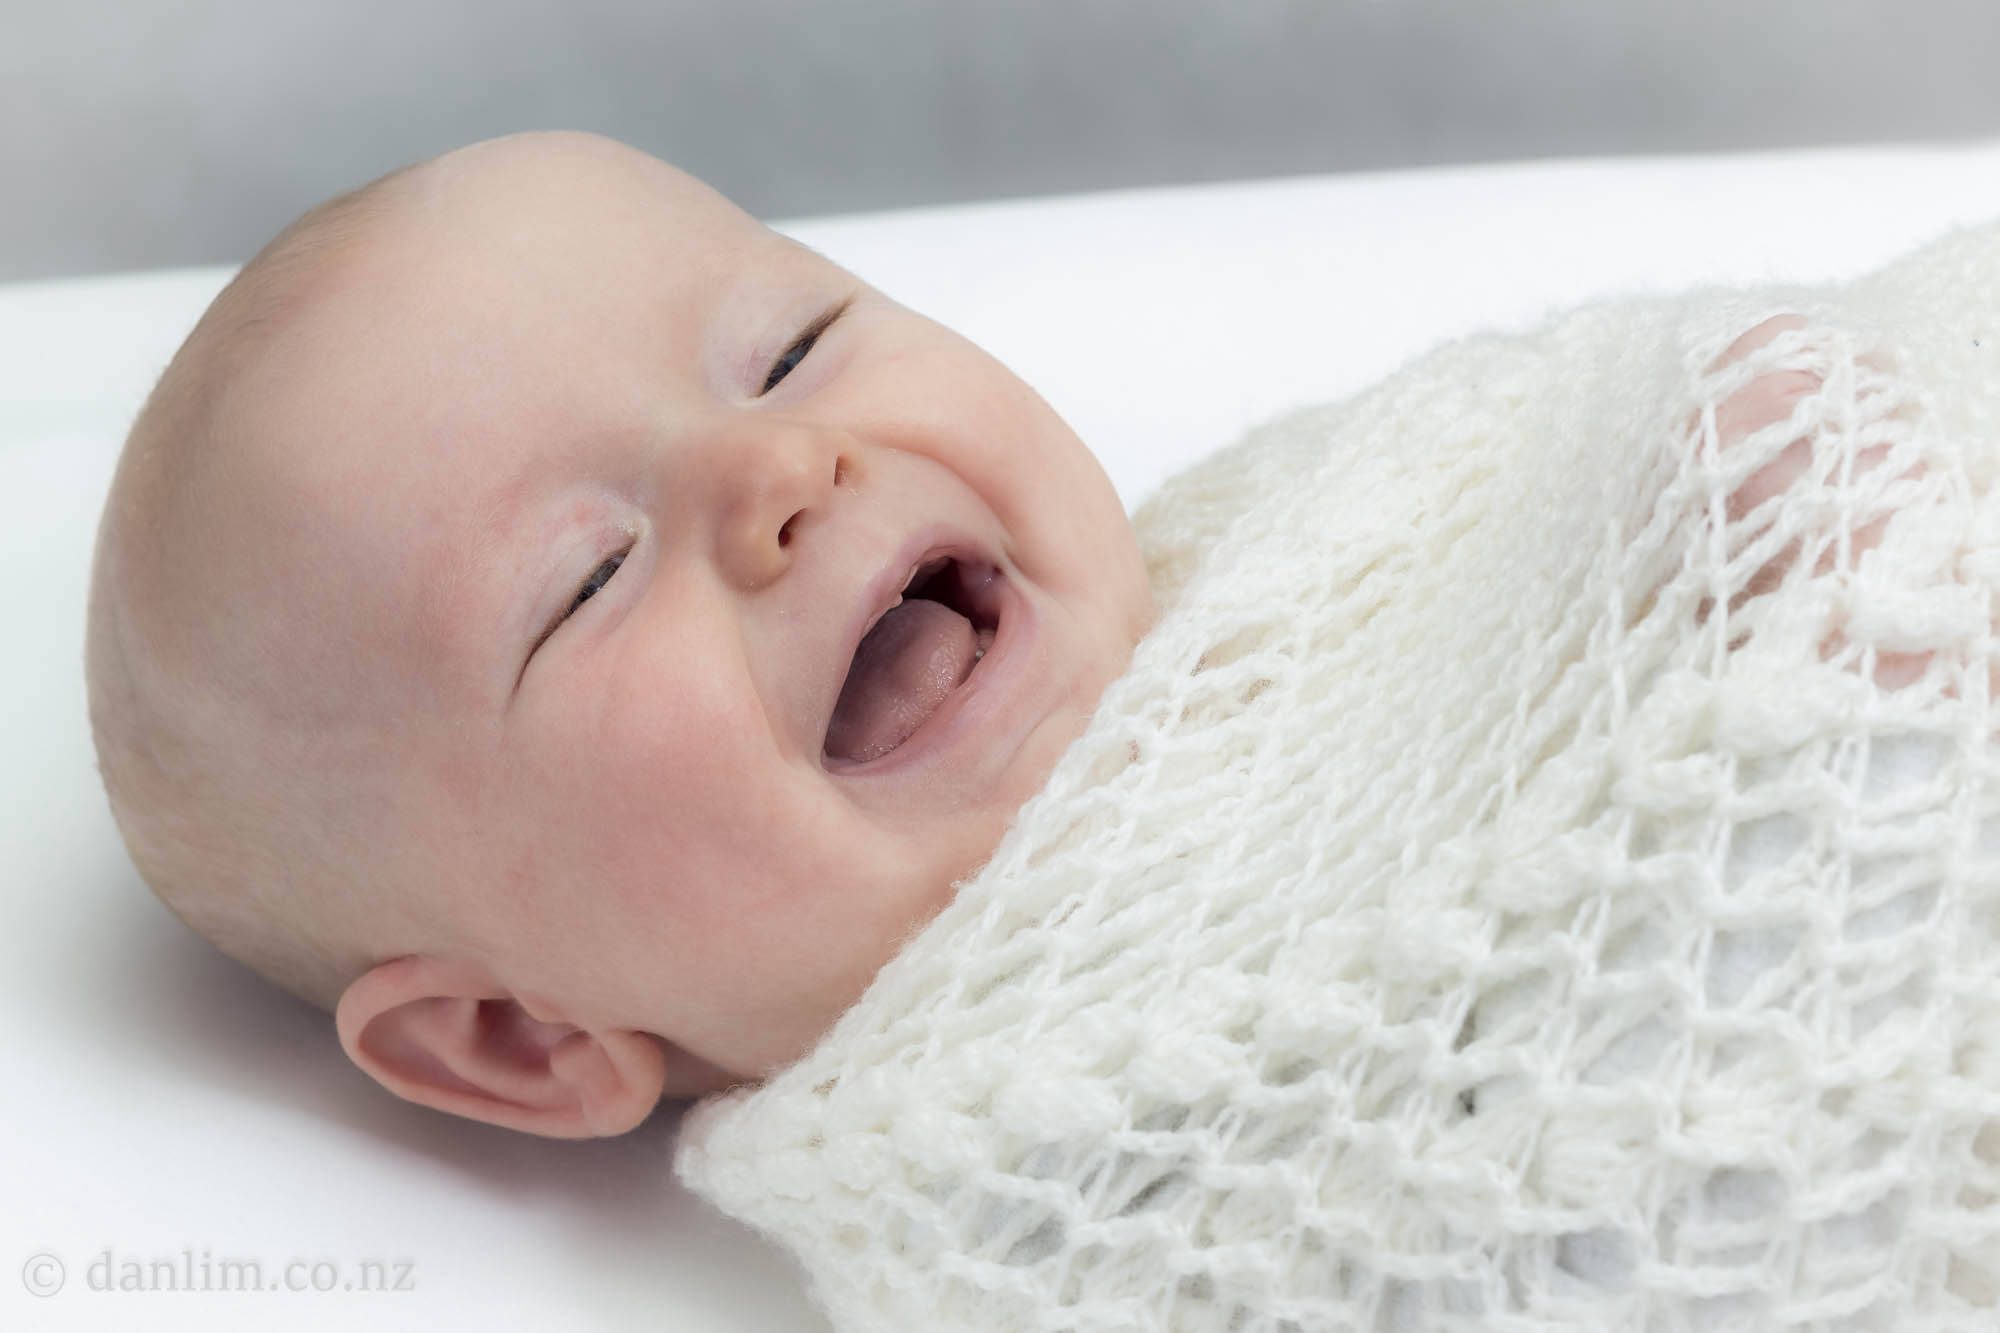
(918, 652)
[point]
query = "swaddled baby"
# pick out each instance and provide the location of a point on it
(576, 633)
(1534, 872)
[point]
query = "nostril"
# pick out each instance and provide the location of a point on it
(839, 471)
(785, 530)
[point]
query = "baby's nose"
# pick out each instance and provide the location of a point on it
(777, 479)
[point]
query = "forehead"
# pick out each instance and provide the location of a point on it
(539, 289)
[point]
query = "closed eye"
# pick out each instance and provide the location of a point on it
(801, 345)
(595, 583)
(589, 589)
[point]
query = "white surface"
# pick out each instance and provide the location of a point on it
(158, 1102)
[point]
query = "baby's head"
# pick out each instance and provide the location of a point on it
(480, 642)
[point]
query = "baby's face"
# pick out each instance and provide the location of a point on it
(600, 485)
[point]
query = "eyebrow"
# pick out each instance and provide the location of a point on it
(810, 333)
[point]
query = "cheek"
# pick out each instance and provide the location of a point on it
(667, 754)
(610, 759)
(1080, 538)
(680, 782)
(637, 830)
(1030, 466)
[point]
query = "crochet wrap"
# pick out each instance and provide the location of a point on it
(1479, 907)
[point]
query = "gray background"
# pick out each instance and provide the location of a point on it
(136, 134)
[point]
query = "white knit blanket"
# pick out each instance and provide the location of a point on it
(1472, 911)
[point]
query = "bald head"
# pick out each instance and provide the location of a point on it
(217, 772)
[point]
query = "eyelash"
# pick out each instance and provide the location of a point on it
(594, 585)
(591, 587)
(800, 348)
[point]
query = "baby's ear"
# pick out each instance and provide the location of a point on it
(442, 1033)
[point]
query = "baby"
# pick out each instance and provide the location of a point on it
(575, 633)
(1437, 865)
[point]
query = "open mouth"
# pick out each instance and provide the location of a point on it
(918, 652)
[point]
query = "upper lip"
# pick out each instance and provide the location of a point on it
(884, 589)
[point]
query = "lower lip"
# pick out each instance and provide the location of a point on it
(974, 708)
